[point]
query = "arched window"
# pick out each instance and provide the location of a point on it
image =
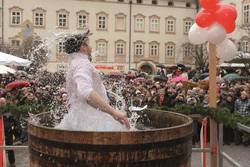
(154, 23)
(120, 48)
(153, 49)
(102, 46)
(170, 24)
(246, 12)
(16, 16)
(82, 19)
(102, 21)
(120, 22)
(170, 49)
(139, 48)
(187, 24)
(139, 23)
(39, 17)
(62, 18)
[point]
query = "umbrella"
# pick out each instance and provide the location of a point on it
(140, 79)
(7, 59)
(203, 76)
(17, 84)
(231, 77)
(218, 79)
(178, 79)
(161, 65)
(5, 70)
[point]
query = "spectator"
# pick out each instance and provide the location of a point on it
(9, 132)
(242, 107)
(242, 104)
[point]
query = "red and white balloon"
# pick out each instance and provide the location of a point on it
(212, 24)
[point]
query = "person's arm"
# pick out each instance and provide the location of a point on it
(85, 91)
(96, 101)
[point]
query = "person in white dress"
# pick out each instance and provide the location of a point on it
(89, 109)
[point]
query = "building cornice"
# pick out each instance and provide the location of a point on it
(151, 5)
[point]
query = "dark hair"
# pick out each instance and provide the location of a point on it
(74, 42)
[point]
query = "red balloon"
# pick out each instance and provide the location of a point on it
(226, 12)
(204, 18)
(209, 4)
(229, 26)
(226, 16)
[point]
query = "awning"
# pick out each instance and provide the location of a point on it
(5, 70)
(7, 59)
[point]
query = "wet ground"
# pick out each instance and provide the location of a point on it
(240, 153)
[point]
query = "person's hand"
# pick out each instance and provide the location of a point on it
(121, 117)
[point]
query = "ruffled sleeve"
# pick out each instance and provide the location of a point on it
(83, 79)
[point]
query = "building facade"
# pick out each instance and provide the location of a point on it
(127, 33)
(241, 36)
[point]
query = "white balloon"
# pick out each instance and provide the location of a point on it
(226, 50)
(197, 35)
(216, 33)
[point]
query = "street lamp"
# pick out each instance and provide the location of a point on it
(130, 18)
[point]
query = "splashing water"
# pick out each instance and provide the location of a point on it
(57, 112)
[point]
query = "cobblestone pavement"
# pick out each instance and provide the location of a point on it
(240, 153)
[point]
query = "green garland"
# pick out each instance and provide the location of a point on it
(20, 110)
(220, 115)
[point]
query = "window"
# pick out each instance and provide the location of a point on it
(245, 46)
(120, 22)
(16, 15)
(61, 47)
(154, 24)
(120, 48)
(61, 68)
(62, 22)
(62, 18)
(188, 4)
(139, 48)
(15, 43)
(39, 17)
(153, 49)
(120, 0)
(139, 23)
(170, 25)
(154, 2)
(188, 22)
(138, 1)
(246, 8)
(170, 49)
(101, 46)
(170, 3)
(82, 19)
(187, 50)
(102, 21)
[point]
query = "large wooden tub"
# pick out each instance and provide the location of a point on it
(167, 145)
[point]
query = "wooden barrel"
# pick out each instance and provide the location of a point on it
(163, 146)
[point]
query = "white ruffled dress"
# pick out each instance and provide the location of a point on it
(82, 78)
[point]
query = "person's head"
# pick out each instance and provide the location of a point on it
(229, 98)
(243, 95)
(78, 43)
(3, 101)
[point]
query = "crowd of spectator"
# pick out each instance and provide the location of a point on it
(47, 90)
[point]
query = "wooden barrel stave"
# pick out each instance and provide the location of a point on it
(154, 148)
